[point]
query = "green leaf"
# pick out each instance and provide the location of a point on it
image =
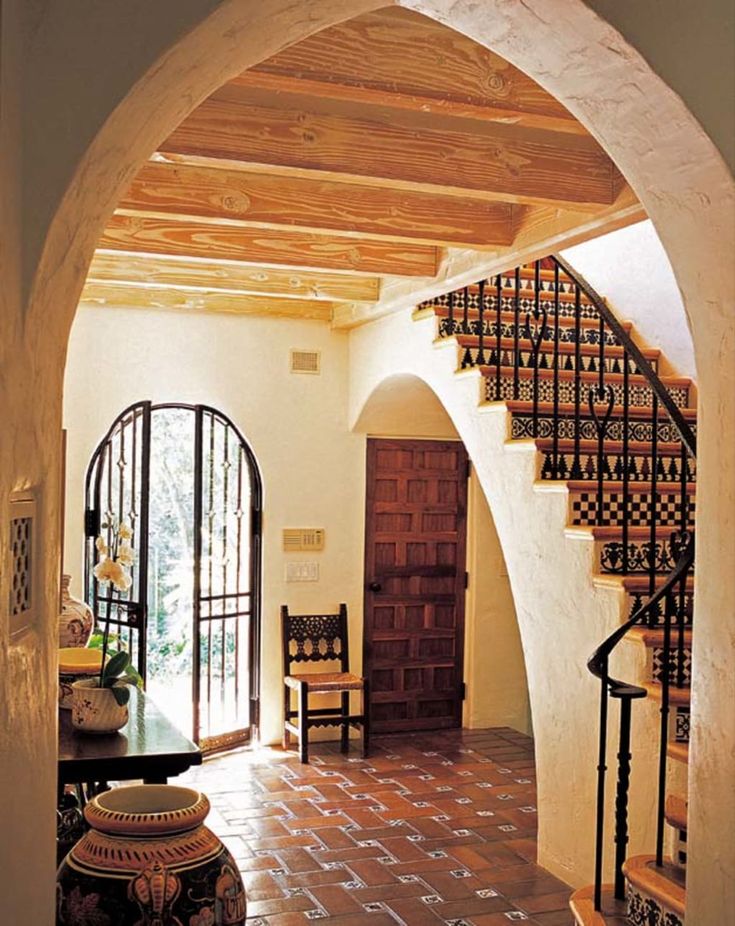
(132, 678)
(121, 693)
(116, 666)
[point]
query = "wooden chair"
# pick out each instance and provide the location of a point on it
(319, 638)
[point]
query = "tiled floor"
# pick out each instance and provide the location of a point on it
(432, 828)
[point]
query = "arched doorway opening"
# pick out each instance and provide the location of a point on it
(681, 179)
(186, 482)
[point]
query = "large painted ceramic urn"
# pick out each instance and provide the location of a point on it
(149, 860)
(76, 620)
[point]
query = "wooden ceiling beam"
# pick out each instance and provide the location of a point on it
(409, 57)
(139, 296)
(326, 89)
(239, 198)
(255, 246)
(231, 277)
(495, 162)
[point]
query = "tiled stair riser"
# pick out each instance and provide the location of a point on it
(583, 508)
(588, 334)
(641, 395)
(610, 556)
(657, 663)
(647, 911)
(686, 600)
(589, 363)
(640, 467)
(522, 427)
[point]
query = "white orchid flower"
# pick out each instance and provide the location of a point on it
(126, 554)
(101, 545)
(125, 531)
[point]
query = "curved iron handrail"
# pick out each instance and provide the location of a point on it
(674, 412)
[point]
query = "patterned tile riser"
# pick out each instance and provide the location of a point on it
(647, 911)
(590, 363)
(639, 395)
(637, 599)
(612, 561)
(681, 721)
(639, 467)
(567, 333)
(584, 509)
(657, 667)
(522, 426)
(526, 303)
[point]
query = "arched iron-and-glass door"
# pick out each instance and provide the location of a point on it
(186, 481)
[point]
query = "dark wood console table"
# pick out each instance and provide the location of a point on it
(149, 747)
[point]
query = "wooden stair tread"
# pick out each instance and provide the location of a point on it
(654, 637)
(665, 884)
(638, 486)
(637, 582)
(676, 811)
(546, 409)
(677, 696)
(565, 347)
(678, 751)
(565, 321)
(615, 532)
(566, 445)
(582, 904)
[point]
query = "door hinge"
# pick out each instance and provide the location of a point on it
(91, 522)
(466, 580)
(255, 712)
(469, 467)
(463, 691)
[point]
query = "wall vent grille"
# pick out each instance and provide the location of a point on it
(300, 539)
(306, 361)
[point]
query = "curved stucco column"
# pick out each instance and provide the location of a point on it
(103, 83)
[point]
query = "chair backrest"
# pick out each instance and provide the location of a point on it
(314, 638)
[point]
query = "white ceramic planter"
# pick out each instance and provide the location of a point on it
(75, 664)
(95, 710)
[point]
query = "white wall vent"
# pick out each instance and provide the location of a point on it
(306, 361)
(299, 539)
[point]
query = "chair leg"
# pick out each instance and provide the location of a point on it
(286, 709)
(304, 721)
(345, 743)
(365, 718)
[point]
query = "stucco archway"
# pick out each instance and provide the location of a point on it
(643, 125)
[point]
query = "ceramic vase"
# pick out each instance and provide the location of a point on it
(148, 859)
(94, 709)
(76, 620)
(76, 663)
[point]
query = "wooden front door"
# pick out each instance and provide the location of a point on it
(415, 542)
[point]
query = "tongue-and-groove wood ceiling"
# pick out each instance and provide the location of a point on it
(361, 170)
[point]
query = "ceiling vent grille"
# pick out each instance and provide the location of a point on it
(306, 361)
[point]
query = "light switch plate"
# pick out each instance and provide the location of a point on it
(302, 572)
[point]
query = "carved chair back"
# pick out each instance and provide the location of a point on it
(314, 638)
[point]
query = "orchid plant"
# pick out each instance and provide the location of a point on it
(115, 558)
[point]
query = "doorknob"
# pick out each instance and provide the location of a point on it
(375, 587)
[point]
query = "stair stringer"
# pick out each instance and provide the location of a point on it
(562, 616)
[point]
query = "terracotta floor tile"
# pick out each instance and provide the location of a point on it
(410, 836)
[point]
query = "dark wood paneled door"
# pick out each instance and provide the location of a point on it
(415, 543)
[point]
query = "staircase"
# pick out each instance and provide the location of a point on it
(620, 435)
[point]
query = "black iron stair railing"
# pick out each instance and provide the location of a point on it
(605, 420)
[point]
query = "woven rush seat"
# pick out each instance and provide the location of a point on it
(310, 638)
(326, 681)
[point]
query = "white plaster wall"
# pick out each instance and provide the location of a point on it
(629, 267)
(494, 668)
(561, 616)
(312, 466)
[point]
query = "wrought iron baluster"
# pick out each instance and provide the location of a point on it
(601, 772)
(576, 472)
(598, 395)
(654, 503)
(466, 311)
(626, 461)
(516, 333)
(621, 796)
(669, 609)
(555, 413)
(498, 338)
(480, 358)
(450, 317)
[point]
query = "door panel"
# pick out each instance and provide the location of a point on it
(415, 575)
